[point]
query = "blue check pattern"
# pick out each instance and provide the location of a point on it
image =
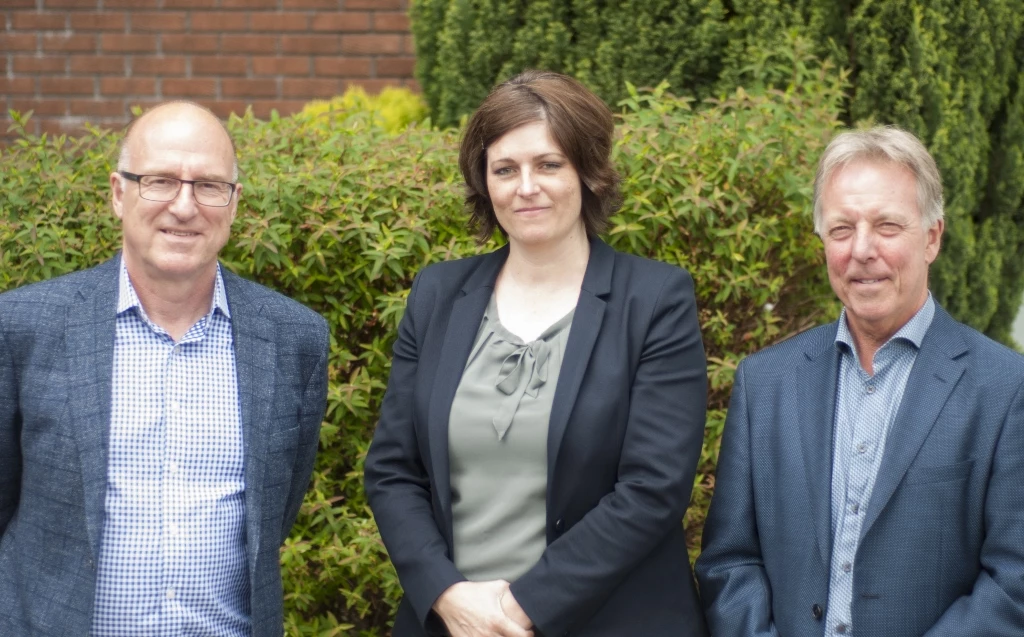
(866, 407)
(172, 559)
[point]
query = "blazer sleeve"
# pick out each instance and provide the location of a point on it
(311, 416)
(995, 607)
(396, 480)
(10, 436)
(734, 585)
(656, 469)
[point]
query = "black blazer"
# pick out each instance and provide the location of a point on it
(624, 438)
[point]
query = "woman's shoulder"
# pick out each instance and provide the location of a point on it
(636, 271)
(447, 277)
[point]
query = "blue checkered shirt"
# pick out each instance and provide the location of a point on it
(866, 406)
(172, 559)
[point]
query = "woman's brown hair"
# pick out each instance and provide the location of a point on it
(580, 123)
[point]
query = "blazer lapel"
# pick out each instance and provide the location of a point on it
(255, 353)
(89, 346)
(935, 373)
(586, 324)
(463, 324)
(816, 380)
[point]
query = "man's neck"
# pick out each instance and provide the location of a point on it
(174, 304)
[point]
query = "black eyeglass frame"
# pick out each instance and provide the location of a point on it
(138, 179)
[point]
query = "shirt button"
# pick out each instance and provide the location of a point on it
(869, 389)
(841, 629)
(855, 508)
(170, 593)
(173, 529)
(172, 467)
(846, 567)
(861, 448)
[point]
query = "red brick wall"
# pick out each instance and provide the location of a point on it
(77, 61)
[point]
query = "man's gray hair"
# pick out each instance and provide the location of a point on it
(124, 155)
(886, 144)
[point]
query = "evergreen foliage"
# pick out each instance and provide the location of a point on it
(949, 70)
(339, 213)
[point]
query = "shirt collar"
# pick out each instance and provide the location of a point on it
(127, 298)
(912, 331)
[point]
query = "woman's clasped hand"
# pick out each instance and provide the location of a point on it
(482, 609)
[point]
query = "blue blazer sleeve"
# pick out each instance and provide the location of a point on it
(734, 585)
(311, 415)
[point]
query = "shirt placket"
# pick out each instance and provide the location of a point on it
(867, 425)
(174, 487)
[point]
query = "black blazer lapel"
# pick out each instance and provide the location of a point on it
(932, 379)
(255, 353)
(463, 324)
(89, 346)
(586, 325)
(817, 379)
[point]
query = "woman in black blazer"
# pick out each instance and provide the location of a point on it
(555, 338)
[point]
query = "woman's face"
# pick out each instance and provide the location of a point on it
(535, 191)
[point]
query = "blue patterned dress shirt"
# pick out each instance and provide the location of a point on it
(172, 559)
(866, 406)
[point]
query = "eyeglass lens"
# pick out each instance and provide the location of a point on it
(210, 193)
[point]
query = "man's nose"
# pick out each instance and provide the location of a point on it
(184, 204)
(864, 244)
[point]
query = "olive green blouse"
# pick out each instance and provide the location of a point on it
(497, 448)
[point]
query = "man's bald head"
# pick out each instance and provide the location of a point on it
(176, 108)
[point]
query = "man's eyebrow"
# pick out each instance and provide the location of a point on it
(172, 175)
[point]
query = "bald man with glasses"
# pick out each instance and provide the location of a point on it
(159, 415)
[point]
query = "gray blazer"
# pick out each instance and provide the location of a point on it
(942, 546)
(56, 362)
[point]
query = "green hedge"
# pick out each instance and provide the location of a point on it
(339, 214)
(949, 70)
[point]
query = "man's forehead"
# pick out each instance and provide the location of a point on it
(176, 135)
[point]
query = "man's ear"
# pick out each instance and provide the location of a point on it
(117, 194)
(934, 240)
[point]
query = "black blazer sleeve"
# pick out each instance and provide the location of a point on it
(397, 482)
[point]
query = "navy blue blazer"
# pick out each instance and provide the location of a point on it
(56, 367)
(623, 442)
(942, 545)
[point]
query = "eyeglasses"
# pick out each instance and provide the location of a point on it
(160, 188)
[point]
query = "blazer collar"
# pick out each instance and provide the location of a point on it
(938, 368)
(816, 380)
(89, 347)
(464, 320)
(586, 325)
(255, 354)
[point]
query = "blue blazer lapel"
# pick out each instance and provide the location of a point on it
(586, 324)
(463, 324)
(89, 346)
(817, 378)
(255, 353)
(936, 372)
